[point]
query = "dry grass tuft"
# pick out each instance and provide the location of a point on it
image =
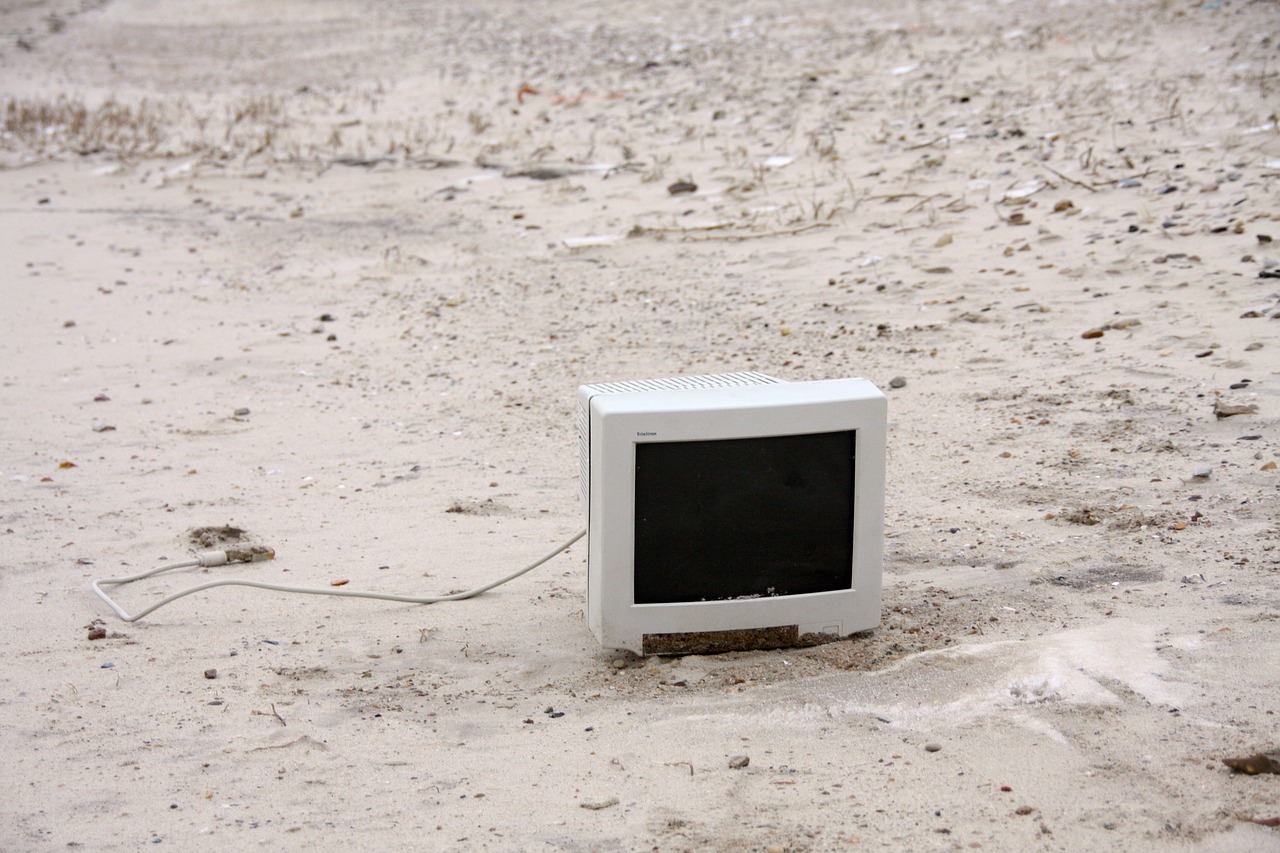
(69, 125)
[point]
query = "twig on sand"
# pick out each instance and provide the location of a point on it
(735, 238)
(305, 739)
(1089, 187)
(933, 141)
(274, 713)
(922, 202)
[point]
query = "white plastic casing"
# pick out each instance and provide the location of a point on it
(614, 417)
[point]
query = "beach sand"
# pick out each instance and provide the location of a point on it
(331, 272)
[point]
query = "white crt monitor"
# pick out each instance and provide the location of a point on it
(732, 511)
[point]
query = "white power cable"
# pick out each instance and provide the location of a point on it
(257, 554)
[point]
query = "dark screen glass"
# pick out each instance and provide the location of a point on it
(743, 517)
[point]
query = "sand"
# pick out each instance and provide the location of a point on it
(331, 272)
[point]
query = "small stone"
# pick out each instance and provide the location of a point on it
(241, 412)
(682, 187)
(1203, 473)
(1091, 334)
(1166, 189)
(1228, 410)
(1253, 765)
(1023, 810)
(102, 426)
(210, 674)
(1128, 183)
(898, 382)
(933, 747)
(97, 633)
(326, 318)
(739, 761)
(619, 663)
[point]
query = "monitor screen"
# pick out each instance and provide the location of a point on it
(744, 518)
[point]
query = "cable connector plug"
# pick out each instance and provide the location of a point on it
(252, 554)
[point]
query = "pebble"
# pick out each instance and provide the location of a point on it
(1128, 183)
(98, 634)
(739, 761)
(932, 747)
(210, 674)
(241, 412)
(898, 382)
(1203, 473)
(682, 187)
(619, 663)
(1166, 189)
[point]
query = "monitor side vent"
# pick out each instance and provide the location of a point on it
(676, 383)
